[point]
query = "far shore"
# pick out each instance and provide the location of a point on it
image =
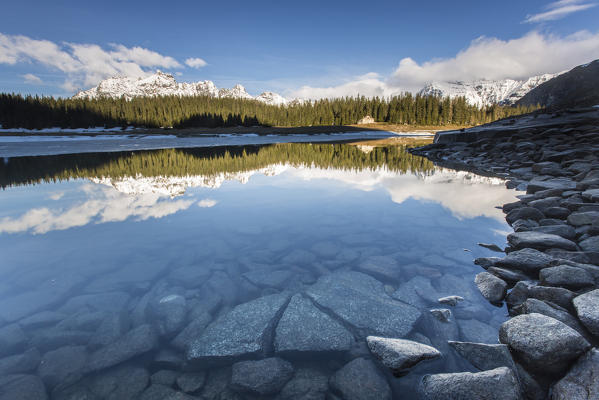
(259, 130)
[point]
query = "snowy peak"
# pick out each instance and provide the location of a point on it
(163, 84)
(487, 92)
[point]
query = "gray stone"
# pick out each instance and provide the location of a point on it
(383, 268)
(12, 339)
(540, 307)
(217, 382)
(566, 276)
(263, 377)
(496, 384)
(189, 277)
(580, 383)
(360, 380)
(590, 244)
(276, 279)
(22, 387)
(135, 342)
(167, 314)
(306, 384)
(83, 320)
(476, 331)
(523, 290)
(191, 332)
(531, 389)
(491, 287)
(591, 195)
(587, 309)
(583, 218)
(563, 184)
(244, 332)
(451, 300)
(528, 338)
(164, 377)
(191, 382)
(565, 231)
(539, 241)
(167, 358)
(508, 275)
(442, 314)
(304, 328)
(62, 367)
(362, 302)
(400, 354)
(20, 363)
(529, 261)
(524, 213)
(485, 356)
(108, 302)
(560, 213)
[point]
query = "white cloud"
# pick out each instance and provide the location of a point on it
(485, 58)
(207, 203)
(559, 9)
(103, 204)
(195, 63)
(83, 64)
(33, 79)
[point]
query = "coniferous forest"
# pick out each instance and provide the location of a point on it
(33, 112)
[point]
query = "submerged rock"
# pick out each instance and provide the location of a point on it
(168, 313)
(361, 301)
(400, 354)
(451, 300)
(17, 364)
(306, 384)
(137, 341)
(22, 387)
(360, 380)
(191, 382)
(381, 267)
(262, 377)
(244, 332)
(495, 384)
(587, 309)
(542, 343)
(304, 328)
(12, 339)
(581, 381)
(63, 367)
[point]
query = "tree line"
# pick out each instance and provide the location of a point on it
(35, 112)
(208, 162)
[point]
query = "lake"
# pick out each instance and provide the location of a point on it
(160, 271)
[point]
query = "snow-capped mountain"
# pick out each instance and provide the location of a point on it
(486, 92)
(162, 84)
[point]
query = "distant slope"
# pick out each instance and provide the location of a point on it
(576, 88)
(484, 92)
(161, 84)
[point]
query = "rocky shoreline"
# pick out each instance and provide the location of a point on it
(549, 275)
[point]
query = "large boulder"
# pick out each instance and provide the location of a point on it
(524, 213)
(587, 309)
(242, 333)
(527, 260)
(581, 381)
(551, 310)
(566, 276)
(400, 354)
(361, 301)
(304, 328)
(542, 343)
(360, 380)
(264, 377)
(485, 356)
(491, 287)
(495, 384)
(539, 241)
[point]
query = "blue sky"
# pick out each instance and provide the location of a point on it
(308, 48)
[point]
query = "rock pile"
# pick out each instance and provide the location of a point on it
(550, 274)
